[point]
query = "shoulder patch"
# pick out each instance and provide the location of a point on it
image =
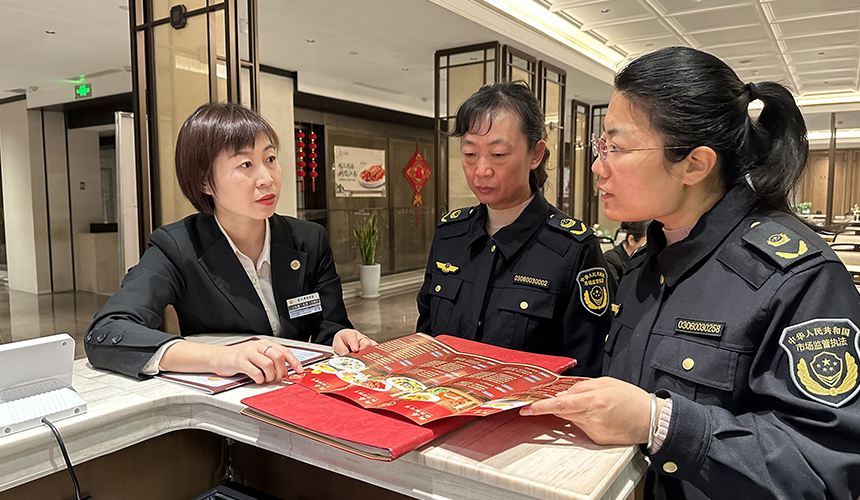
(592, 290)
(458, 215)
(822, 359)
(780, 244)
(569, 225)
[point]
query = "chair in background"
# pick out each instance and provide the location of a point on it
(849, 254)
(606, 243)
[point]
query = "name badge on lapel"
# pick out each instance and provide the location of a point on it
(304, 305)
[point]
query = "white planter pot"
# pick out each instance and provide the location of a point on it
(369, 277)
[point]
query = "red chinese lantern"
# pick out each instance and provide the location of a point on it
(300, 163)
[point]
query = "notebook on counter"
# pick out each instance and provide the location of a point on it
(380, 434)
(211, 383)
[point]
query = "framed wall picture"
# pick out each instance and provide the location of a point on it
(359, 172)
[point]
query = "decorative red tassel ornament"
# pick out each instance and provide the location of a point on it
(313, 164)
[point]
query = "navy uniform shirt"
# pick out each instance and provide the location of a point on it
(750, 325)
(539, 285)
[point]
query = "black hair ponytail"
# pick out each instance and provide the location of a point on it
(693, 99)
(777, 145)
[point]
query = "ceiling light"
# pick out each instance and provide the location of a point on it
(745, 61)
(123, 7)
(51, 32)
(847, 133)
(821, 53)
(554, 27)
(353, 53)
(404, 69)
(604, 11)
(310, 40)
(826, 83)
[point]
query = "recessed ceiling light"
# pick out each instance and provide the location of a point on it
(604, 11)
(745, 61)
(821, 53)
(51, 32)
(123, 7)
(310, 40)
(826, 83)
(404, 69)
(353, 53)
(473, 58)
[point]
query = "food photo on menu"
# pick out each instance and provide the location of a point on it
(425, 380)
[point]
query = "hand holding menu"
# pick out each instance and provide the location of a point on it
(424, 380)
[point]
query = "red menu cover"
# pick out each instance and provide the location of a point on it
(374, 434)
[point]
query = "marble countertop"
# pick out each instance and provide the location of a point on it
(503, 456)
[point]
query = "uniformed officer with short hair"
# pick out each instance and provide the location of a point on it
(514, 271)
(733, 353)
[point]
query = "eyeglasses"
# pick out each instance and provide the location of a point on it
(599, 148)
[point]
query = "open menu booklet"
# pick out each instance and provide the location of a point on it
(424, 380)
(213, 384)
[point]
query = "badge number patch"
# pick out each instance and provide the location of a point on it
(823, 357)
(592, 290)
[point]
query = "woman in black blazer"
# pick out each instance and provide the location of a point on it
(227, 167)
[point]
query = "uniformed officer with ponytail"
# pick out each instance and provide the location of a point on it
(733, 353)
(514, 271)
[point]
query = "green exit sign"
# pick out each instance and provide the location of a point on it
(83, 90)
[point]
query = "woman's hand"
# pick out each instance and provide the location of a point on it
(349, 340)
(608, 410)
(262, 360)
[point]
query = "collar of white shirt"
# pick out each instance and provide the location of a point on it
(265, 255)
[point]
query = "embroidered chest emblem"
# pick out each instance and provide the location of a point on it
(592, 290)
(446, 267)
(823, 359)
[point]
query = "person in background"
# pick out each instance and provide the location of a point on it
(230, 268)
(733, 354)
(618, 256)
(514, 271)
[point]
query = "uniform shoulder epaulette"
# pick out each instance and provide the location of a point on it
(458, 215)
(780, 244)
(569, 225)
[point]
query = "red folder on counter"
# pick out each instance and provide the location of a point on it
(373, 434)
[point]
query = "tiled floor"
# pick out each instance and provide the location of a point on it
(25, 315)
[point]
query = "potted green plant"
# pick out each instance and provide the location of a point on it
(367, 235)
(803, 207)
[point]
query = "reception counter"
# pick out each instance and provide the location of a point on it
(501, 457)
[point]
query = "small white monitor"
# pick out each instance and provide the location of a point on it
(36, 382)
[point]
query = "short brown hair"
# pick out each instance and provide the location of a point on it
(211, 129)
